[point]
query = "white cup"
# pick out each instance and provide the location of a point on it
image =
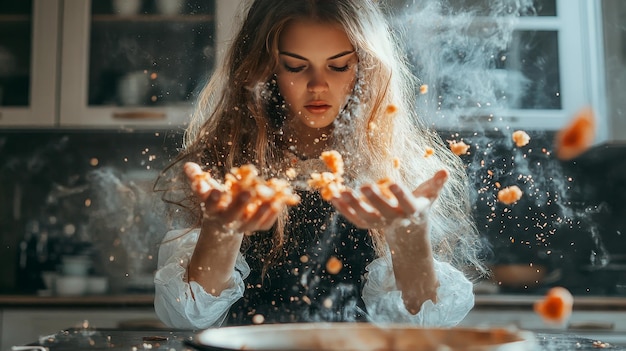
(126, 7)
(75, 265)
(132, 88)
(71, 285)
(97, 285)
(169, 7)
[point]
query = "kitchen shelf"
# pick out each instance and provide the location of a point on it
(588, 303)
(125, 300)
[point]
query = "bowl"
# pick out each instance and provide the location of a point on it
(521, 275)
(97, 285)
(71, 285)
(75, 265)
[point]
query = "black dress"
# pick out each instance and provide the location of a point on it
(298, 287)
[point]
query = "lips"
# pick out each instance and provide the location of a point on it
(317, 107)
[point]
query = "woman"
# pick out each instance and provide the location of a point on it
(301, 78)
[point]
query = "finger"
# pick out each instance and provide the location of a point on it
(406, 201)
(348, 212)
(430, 188)
(387, 208)
(210, 204)
(363, 213)
(258, 220)
(235, 211)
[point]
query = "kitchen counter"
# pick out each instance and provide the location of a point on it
(483, 301)
(124, 300)
(176, 340)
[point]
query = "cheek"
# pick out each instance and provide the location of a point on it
(287, 88)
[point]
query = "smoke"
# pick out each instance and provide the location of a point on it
(479, 68)
(126, 223)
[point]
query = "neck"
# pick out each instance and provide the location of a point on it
(307, 143)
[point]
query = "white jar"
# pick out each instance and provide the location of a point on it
(170, 7)
(126, 7)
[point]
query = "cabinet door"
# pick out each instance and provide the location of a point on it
(28, 62)
(138, 66)
(492, 65)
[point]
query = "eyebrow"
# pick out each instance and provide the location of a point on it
(291, 54)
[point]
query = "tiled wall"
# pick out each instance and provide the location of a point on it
(80, 187)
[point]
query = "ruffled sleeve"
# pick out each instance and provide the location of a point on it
(455, 297)
(185, 305)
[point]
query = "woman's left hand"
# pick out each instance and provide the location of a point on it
(375, 210)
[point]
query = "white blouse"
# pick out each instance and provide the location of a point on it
(176, 307)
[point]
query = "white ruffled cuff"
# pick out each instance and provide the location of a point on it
(455, 297)
(184, 305)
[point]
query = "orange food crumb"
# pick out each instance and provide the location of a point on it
(429, 152)
(577, 136)
(391, 109)
(333, 161)
(510, 194)
(520, 138)
(334, 265)
(458, 147)
(423, 89)
(556, 306)
(396, 163)
(329, 184)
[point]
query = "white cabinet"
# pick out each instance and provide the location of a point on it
(140, 65)
(490, 65)
(21, 326)
(94, 67)
(28, 63)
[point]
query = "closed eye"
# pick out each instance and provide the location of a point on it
(340, 69)
(294, 69)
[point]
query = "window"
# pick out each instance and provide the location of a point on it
(490, 63)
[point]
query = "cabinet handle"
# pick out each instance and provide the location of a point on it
(139, 115)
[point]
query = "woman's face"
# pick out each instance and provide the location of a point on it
(316, 72)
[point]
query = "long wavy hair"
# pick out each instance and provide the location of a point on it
(239, 115)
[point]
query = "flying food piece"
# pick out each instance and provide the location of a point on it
(424, 89)
(429, 152)
(520, 138)
(510, 195)
(330, 184)
(458, 147)
(556, 306)
(334, 265)
(577, 136)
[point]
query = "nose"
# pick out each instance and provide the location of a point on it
(317, 82)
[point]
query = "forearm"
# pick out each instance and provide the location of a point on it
(413, 265)
(213, 260)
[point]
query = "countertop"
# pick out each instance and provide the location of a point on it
(177, 340)
(483, 301)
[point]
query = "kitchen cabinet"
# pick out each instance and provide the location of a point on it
(21, 326)
(119, 67)
(28, 62)
(491, 66)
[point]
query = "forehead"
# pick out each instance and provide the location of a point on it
(313, 38)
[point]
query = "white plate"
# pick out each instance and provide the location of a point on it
(363, 337)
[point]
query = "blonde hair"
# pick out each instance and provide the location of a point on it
(239, 115)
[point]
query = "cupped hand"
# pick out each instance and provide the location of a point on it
(377, 210)
(225, 214)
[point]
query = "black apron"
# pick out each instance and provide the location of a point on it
(298, 288)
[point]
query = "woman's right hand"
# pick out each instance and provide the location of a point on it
(232, 215)
(236, 215)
